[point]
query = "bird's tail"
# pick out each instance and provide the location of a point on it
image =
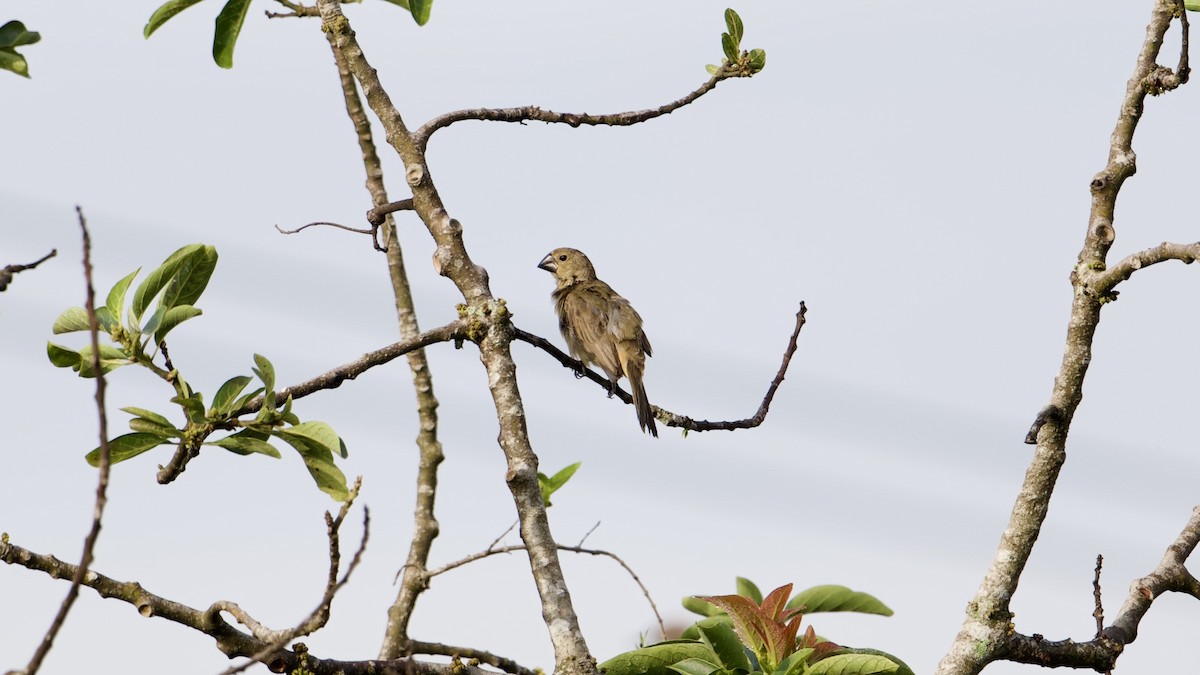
(645, 413)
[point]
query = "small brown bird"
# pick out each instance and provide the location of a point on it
(601, 328)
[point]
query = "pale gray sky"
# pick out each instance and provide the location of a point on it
(916, 172)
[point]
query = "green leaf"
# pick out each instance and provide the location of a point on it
(265, 371)
(71, 320)
(124, 447)
(853, 664)
(105, 320)
(172, 318)
(420, 10)
(692, 632)
(241, 402)
(746, 588)
(193, 406)
(244, 443)
(693, 604)
(229, 25)
(1192, 5)
(14, 34)
(164, 14)
(188, 284)
(317, 432)
(550, 485)
(730, 47)
(62, 357)
(116, 297)
(152, 427)
(795, 663)
(834, 598)
(720, 637)
(159, 278)
(10, 60)
(734, 23)
(758, 60)
(656, 659)
(111, 358)
(695, 667)
(225, 397)
(318, 459)
(712, 70)
(399, 3)
(902, 667)
(148, 414)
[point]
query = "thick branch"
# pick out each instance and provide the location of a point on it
(665, 416)
(1107, 280)
(535, 114)
(451, 260)
(986, 632)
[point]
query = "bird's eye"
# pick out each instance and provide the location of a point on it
(562, 257)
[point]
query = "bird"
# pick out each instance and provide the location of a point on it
(601, 327)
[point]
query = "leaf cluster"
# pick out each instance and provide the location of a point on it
(138, 328)
(749, 634)
(12, 35)
(737, 62)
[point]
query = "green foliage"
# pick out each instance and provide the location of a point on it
(550, 484)
(737, 63)
(1192, 5)
(419, 8)
(228, 25)
(752, 634)
(12, 35)
(168, 295)
(834, 598)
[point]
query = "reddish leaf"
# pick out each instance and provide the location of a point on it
(775, 601)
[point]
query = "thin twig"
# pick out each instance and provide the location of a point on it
(588, 534)
(326, 224)
(491, 551)
(1098, 612)
(320, 615)
(665, 416)
(89, 543)
(7, 272)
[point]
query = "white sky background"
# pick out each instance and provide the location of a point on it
(917, 173)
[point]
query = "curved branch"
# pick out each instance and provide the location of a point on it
(230, 641)
(1100, 654)
(1107, 280)
(494, 550)
(531, 113)
(665, 416)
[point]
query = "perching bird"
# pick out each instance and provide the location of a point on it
(600, 327)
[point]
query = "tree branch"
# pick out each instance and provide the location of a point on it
(535, 114)
(452, 261)
(987, 631)
(665, 416)
(478, 655)
(8, 271)
(332, 379)
(425, 525)
(494, 550)
(89, 542)
(1104, 282)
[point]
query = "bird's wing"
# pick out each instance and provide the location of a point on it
(586, 310)
(626, 324)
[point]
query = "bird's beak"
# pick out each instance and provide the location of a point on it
(548, 264)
